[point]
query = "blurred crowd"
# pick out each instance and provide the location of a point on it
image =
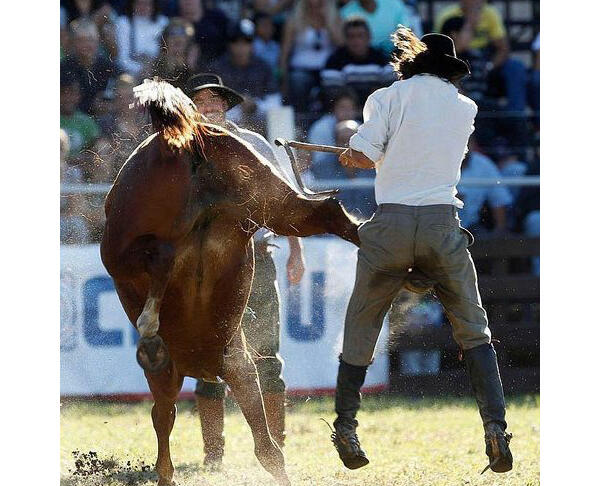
(322, 57)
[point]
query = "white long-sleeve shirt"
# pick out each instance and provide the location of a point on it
(416, 131)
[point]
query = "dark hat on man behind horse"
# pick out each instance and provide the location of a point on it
(215, 83)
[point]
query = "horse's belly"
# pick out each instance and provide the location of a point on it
(191, 318)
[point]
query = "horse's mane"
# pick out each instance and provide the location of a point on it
(172, 113)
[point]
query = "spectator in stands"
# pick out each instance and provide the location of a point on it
(527, 210)
(179, 53)
(272, 7)
(474, 86)
(169, 8)
(65, 42)
(531, 227)
(64, 17)
(358, 200)
(210, 27)
(484, 30)
(103, 109)
(265, 47)
(82, 129)
(241, 70)
(87, 64)
(322, 132)
(356, 63)
(310, 35)
(383, 16)
(233, 9)
(509, 164)
(73, 225)
(76, 9)
(279, 10)
(121, 137)
(413, 21)
(69, 174)
(74, 228)
(101, 13)
(498, 197)
(138, 35)
(534, 77)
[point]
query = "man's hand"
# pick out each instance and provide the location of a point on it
(352, 158)
(295, 263)
(345, 158)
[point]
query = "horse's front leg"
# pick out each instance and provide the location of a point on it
(240, 374)
(152, 354)
(165, 387)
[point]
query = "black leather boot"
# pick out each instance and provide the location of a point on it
(211, 412)
(482, 366)
(210, 403)
(347, 403)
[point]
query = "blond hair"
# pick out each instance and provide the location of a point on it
(407, 46)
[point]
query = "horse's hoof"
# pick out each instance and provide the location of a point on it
(283, 481)
(152, 354)
(164, 482)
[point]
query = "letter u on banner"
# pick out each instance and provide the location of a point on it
(313, 330)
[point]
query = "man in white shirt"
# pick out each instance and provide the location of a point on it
(415, 136)
(261, 319)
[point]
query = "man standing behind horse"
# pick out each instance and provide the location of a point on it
(261, 319)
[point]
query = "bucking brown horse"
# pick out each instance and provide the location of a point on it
(177, 242)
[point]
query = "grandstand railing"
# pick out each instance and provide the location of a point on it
(364, 183)
(361, 183)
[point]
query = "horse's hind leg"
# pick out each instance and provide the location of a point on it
(240, 374)
(306, 217)
(152, 354)
(165, 387)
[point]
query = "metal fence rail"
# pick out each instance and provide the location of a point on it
(360, 183)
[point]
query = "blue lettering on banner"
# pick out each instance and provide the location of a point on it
(94, 335)
(313, 331)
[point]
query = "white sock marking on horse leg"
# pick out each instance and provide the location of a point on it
(147, 323)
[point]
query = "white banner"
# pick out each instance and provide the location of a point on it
(98, 341)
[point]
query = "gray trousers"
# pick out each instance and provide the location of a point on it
(261, 329)
(396, 240)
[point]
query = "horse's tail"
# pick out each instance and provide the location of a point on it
(171, 112)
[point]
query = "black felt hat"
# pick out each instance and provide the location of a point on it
(215, 83)
(441, 57)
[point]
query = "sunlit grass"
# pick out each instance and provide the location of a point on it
(422, 442)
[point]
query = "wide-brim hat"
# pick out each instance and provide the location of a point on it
(441, 53)
(213, 82)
